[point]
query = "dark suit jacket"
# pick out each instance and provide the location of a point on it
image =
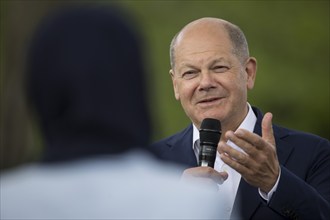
(303, 190)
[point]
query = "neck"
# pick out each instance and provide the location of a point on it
(233, 123)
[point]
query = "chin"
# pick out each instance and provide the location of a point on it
(211, 115)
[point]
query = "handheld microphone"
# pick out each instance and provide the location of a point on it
(209, 136)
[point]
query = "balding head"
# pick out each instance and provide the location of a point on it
(209, 26)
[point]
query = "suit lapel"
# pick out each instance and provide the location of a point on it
(180, 148)
(283, 149)
(246, 201)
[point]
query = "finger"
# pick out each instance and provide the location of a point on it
(267, 128)
(252, 138)
(206, 172)
(199, 171)
(223, 175)
(234, 164)
(236, 155)
(240, 142)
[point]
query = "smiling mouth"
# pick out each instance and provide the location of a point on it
(209, 100)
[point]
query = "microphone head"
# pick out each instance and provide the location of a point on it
(211, 124)
(210, 131)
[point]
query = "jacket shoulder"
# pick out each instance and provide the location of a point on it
(306, 138)
(171, 139)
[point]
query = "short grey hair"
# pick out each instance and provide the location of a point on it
(236, 36)
(238, 40)
(172, 51)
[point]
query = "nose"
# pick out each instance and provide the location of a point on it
(207, 81)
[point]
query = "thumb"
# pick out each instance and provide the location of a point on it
(267, 128)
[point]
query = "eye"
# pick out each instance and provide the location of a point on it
(189, 74)
(220, 69)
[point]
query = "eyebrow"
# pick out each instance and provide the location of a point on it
(221, 59)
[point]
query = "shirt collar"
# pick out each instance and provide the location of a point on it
(248, 124)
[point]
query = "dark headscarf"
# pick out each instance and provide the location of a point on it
(86, 80)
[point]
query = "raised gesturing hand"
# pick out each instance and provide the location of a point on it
(258, 164)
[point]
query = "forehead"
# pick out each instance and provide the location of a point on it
(203, 42)
(202, 38)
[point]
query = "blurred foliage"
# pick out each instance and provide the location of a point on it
(290, 40)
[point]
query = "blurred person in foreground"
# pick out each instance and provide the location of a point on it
(270, 172)
(85, 80)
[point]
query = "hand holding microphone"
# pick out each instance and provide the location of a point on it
(210, 133)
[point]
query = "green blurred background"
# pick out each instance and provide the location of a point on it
(290, 40)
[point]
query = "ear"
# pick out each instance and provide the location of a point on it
(251, 70)
(175, 87)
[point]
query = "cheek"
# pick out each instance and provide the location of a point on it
(236, 89)
(240, 81)
(239, 93)
(186, 91)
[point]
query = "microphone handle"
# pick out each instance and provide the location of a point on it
(207, 155)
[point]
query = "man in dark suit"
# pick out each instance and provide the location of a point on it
(268, 172)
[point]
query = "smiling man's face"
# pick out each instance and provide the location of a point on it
(208, 78)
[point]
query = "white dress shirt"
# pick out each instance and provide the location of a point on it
(229, 187)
